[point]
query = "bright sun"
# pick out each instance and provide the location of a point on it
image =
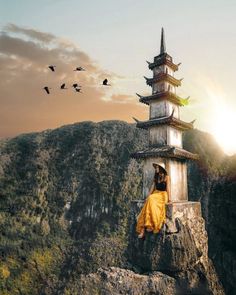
(223, 127)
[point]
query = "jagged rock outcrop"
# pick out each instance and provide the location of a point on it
(116, 281)
(180, 250)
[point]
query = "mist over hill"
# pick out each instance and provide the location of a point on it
(65, 198)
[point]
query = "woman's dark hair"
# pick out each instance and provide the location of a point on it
(162, 170)
(156, 176)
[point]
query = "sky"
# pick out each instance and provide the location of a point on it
(113, 39)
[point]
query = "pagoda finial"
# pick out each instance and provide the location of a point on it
(163, 43)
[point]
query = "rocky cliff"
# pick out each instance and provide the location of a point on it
(179, 251)
(65, 199)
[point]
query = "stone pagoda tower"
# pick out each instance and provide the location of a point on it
(165, 128)
(180, 248)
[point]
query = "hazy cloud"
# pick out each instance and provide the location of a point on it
(25, 106)
(34, 34)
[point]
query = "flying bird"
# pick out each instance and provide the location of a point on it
(79, 69)
(105, 82)
(52, 68)
(75, 85)
(78, 90)
(63, 86)
(46, 88)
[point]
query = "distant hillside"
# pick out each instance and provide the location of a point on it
(65, 197)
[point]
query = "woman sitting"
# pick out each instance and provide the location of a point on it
(153, 213)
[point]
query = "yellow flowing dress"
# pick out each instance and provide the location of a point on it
(153, 213)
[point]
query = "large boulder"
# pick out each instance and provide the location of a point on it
(117, 281)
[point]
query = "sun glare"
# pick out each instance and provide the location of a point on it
(223, 124)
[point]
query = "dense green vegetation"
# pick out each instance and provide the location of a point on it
(64, 199)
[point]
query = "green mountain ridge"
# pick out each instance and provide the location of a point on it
(65, 197)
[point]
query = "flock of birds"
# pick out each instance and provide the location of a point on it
(76, 86)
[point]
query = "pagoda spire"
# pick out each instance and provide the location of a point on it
(163, 42)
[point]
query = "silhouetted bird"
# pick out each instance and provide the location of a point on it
(79, 69)
(46, 88)
(105, 82)
(63, 86)
(52, 68)
(75, 85)
(78, 90)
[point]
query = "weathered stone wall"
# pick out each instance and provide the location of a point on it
(163, 108)
(165, 135)
(158, 135)
(174, 137)
(177, 171)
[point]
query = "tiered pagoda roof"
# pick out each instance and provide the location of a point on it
(163, 59)
(163, 77)
(165, 151)
(164, 95)
(170, 120)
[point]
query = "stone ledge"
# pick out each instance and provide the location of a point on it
(184, 209)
